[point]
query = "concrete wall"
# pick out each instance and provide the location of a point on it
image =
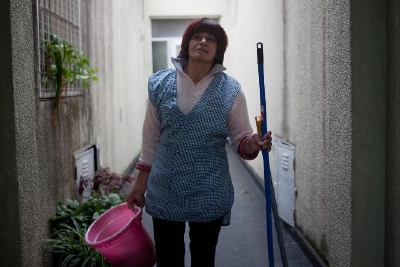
(10, 234)
(338, 137)
(392, 207)
(117, 44)
(23, 188)
(305, 113)
(368, 46)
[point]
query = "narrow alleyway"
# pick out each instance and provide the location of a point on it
(244, 242)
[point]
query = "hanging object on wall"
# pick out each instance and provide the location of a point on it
(86, 163)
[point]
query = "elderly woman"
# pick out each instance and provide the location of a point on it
(183, 167)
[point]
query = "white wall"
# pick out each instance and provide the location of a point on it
(246, 25)
(117, 49)
(184, 9)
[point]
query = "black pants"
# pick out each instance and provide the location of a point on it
(170, 243)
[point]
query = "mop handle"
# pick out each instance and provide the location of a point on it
(260, 61)
(267, 173)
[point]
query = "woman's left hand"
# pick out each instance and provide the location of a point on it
(255, 143)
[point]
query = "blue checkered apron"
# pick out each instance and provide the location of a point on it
(189, 178)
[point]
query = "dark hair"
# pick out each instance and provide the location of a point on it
(209, 26)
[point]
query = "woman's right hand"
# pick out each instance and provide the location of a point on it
(255, 143)
(136, 198)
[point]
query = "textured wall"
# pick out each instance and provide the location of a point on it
(10, 232)
(392, 135)
(338, 160)
(21, 187)
(306, 113)
(368, 127)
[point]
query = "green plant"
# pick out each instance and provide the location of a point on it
(69, 225)
(68, 245)
(83, 213)
(67, 66)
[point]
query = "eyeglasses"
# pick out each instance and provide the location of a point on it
(200, 38)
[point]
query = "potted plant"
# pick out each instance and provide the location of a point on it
(66, 66)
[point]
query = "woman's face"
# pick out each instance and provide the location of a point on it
(202, 47)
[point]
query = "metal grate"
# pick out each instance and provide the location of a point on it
(63, 18)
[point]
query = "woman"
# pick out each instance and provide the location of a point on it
(183, 167)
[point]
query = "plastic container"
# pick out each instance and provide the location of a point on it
(118, 234)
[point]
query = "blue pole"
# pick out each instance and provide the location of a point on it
(267, 173)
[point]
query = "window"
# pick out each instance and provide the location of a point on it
(166, 41)
(163, 49)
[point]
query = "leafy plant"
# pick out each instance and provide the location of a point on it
(85, 213)
(68, 244)
(67, 66)
(69, 225)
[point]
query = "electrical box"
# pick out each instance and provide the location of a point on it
(86, 163)
(284, 173)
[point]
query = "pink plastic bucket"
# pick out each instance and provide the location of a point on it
(119, 236)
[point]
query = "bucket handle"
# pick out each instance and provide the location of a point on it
(138, 211)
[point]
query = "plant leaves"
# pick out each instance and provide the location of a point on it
(66, 66)
(71, 222)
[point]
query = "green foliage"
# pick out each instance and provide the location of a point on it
(70, 248)
(83, 214)
(67, 66)
(69, 226)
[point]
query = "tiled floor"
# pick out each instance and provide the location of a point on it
(244, 242)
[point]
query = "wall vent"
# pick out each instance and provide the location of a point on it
(284, 173)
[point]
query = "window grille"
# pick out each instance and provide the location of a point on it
(62, 18)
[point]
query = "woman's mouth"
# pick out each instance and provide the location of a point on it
(202, 50)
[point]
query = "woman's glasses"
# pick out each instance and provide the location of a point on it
(200, 38)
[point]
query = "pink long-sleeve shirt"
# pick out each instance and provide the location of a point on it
(188, 94)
